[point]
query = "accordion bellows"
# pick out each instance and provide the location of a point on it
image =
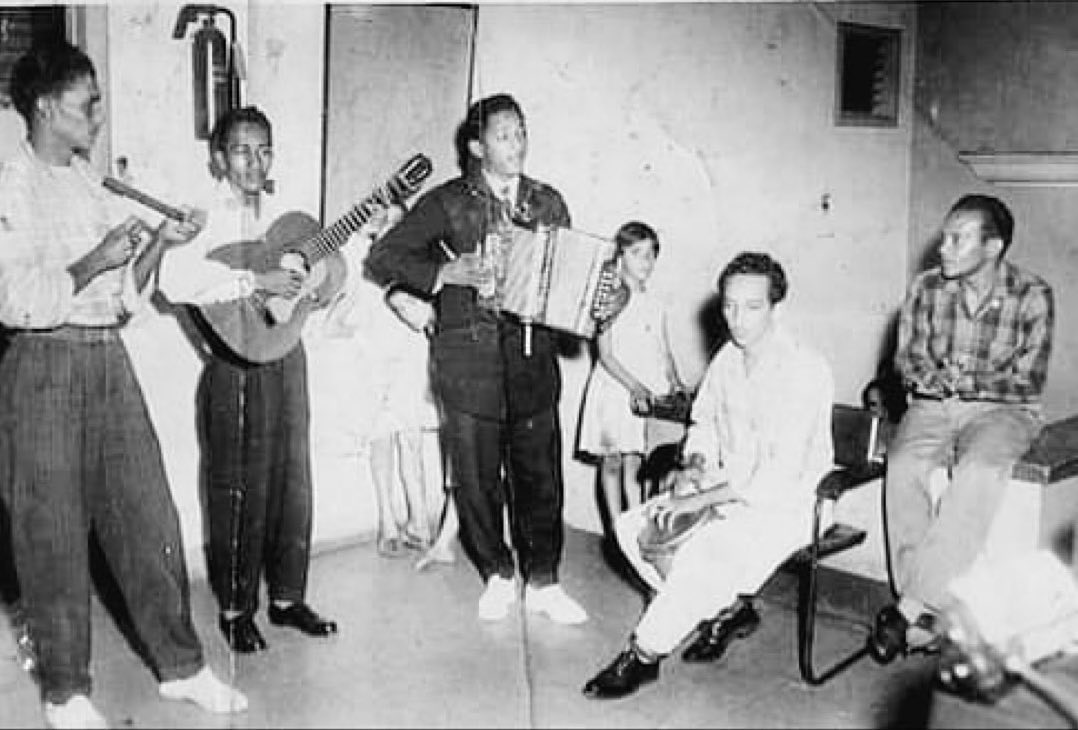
(552, 277)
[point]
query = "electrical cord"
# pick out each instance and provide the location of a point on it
(1049, 691)
(526, 663)
(236, 500)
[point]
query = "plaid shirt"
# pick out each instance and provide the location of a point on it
(999, 353)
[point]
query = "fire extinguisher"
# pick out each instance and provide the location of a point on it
(211, 74)
(214, 75)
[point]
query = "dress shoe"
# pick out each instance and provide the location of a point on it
(624, 676)
(300, 616)
(242, 634)
(715, 635)
(888, 637)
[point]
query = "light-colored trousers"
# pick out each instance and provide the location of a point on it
(724, 559)
(980, 442)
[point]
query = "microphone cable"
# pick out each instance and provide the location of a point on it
(526, 661)
(1055, 696)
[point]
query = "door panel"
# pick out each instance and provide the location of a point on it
(397, 84)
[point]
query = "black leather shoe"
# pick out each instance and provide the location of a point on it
(242, 634)
(623, 677)
(715, 635)
(300, 616)
(888, 637)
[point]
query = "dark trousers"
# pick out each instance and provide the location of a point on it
(255, 426)
(530, 451)
(78, 453)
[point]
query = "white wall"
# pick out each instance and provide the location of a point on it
(714, 123)
(12, 131)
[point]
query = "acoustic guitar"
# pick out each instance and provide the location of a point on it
(262, 328)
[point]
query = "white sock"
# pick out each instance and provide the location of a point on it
(205, 690)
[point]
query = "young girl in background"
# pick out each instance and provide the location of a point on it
(388, 407)
(634, 365)
(402, 423)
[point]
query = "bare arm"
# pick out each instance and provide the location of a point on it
(115, 249)
(169, 233)
(672, 376)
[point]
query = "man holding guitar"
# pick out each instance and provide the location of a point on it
(253, 415)
(80, 451)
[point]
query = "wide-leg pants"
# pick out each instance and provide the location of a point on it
(726, 558)
(78, 455)
(932, 543)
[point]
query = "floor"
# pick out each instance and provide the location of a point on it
(411, 653)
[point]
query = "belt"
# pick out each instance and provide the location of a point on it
(928, 396)
(76, 333)
(963, 399)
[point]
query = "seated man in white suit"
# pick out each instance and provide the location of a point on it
(759, 442)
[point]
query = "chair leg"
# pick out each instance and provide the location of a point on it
(806, 614)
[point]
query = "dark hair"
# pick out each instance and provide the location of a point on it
(479, 114)
(233, 118)
(634, 232)
(757, 263)
(48, 68)
(996, 218)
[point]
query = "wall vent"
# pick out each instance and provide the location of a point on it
(866, 89)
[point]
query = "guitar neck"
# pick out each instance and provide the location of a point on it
(330, 239)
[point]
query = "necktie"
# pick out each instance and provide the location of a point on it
(501, 235)
(505, 205)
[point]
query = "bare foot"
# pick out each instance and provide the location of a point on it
(391, 547)
(439, 553)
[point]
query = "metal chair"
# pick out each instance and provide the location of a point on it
(855, 432)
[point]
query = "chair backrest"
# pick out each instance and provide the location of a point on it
(855, 433)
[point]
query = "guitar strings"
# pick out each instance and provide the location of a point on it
(329, 240)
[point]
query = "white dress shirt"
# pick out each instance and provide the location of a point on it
(188, 275)
(768, 432)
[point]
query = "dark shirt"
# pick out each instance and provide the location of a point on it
(479, 365)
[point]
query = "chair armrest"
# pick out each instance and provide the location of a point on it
(842, 479)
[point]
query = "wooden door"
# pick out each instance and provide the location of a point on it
(397, 83)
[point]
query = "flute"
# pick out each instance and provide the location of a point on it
(138, 196)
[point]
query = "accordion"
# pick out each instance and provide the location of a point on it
(676, 407)
(553, 278)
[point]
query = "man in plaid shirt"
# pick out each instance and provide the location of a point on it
(975, 335)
